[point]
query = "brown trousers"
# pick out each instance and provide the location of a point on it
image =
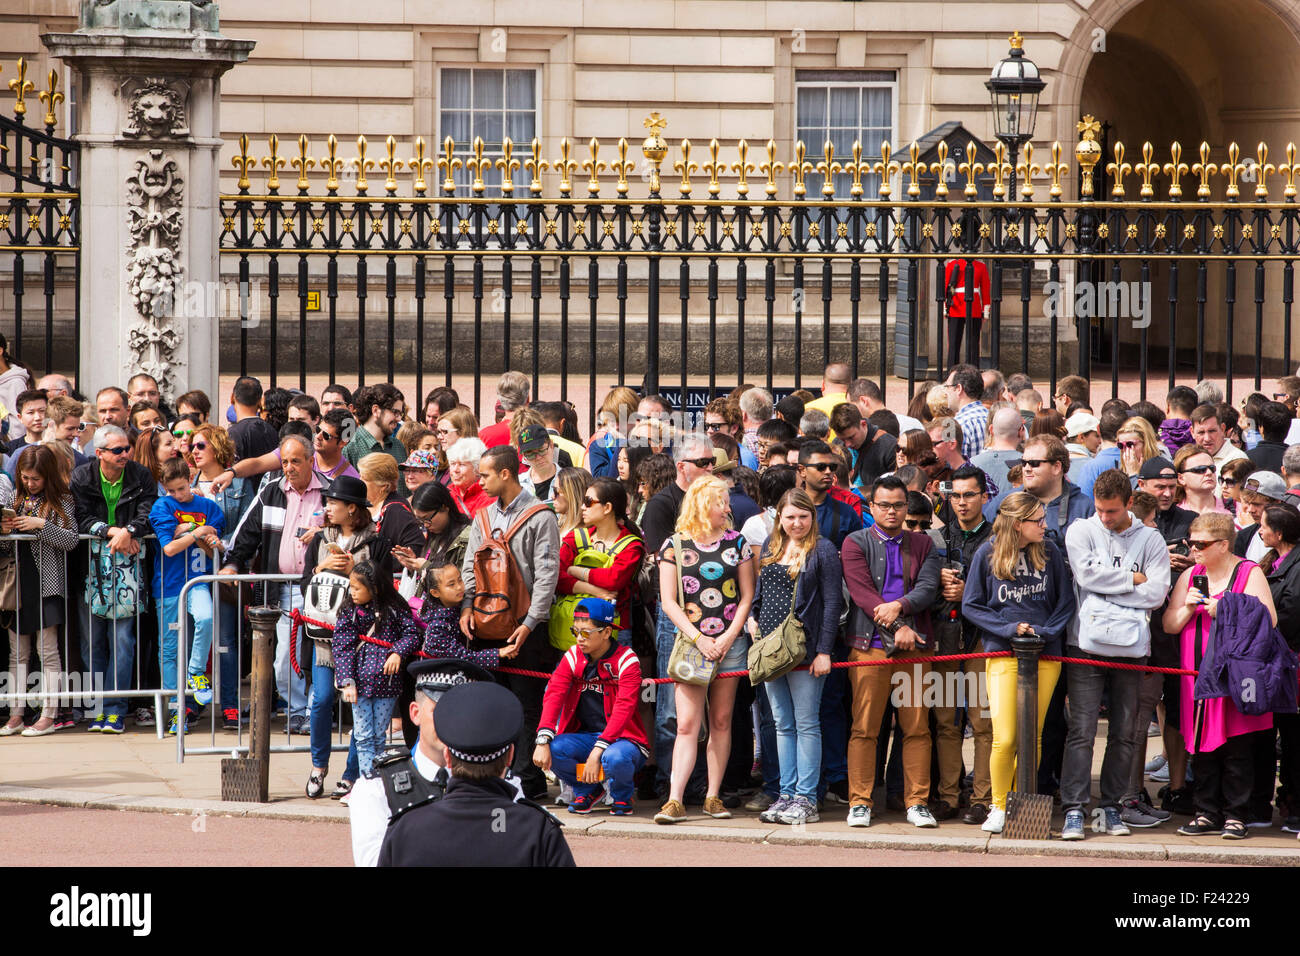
(871, 687)
(948, 735)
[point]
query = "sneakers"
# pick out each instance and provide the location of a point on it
(1153, 729)
(174, 722)
(943, 810)
(1160, 775)
(1073, 828)
(144, 717)
(230, 719)
(773, 813)
(565, 796)
(800, 810)
(759, 803)
(620, 808)
(299, 725)
(1114, 824)
(837, 792)
(671, 812)
(997, 819)
(201, 688)
(97, 724)
(1155, 763)
(714, 807)
(1144, 802)
(1177, 801)
(114, 724)
(1200, 825)
(976, 815)
(920, 816)
(585, 803)
(1134, 814)
(1291, 825)
(860, 816)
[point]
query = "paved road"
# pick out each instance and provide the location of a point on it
(70, 837)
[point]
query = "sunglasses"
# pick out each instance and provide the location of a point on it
(1229, 482)
(917, 524)
(120, 450)
(1127, 445)
(82, 426)
(184, 434)
(537, 453)
(1202, 545)
(1198, 470)
(199, 446)
(328, 436)
(586, 632)
(701, 462)
(714, 426)
(1030, 462)
(820, 466)
(590, 502)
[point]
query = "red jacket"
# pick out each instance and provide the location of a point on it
(621, 673)
(954, 278)
(471, 500)
(493, 435)
(619, 577)
(846, 496)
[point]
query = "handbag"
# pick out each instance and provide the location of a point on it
(113, 584)
(776, 654)
(9, 585)
(687, 663)
(325, 593)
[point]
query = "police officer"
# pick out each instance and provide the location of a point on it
(478, 822)
(403, 780)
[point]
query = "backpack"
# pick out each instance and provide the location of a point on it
(565, 605)
(501, 598)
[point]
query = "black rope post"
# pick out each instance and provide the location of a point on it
(247, 778)
(1029, 814)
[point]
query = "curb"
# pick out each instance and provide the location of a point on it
(625, 829)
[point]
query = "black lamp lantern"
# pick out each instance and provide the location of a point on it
(1014, 87)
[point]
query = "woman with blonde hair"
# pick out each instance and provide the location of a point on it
(570, 487)
(1137, 443)
(713, 564)
(1017, 585)
(393, 517)
(936, 400)
(613, 421)
(799, 573)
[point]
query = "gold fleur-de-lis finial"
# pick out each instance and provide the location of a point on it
(275, 162)
(828, 168)
(713, 167)
(536, 166)
(361, 164)
(1175, 170)
(390, 166)
(565, 166)
(51, 97)
(21, 86)
(623, 166)
(857, 168)
(477, 164)
(913, 169)
(508, 166)
(1264, 169)
(771, 168)
(885, 169)
(303, 163)
(242, 162)
(742, 169)
(1056, 169)
(1087, 152)
(593, 167)
(1118, 170)
(419, 165)
(1232, 169)
(685, 167)
(800, 168)
(331, 164)
(971, 169)
(1203, 171)
(1026, 170)
(1148, 170)
(448, 165)
(1289, 171)
(999, 168)
(941, 169)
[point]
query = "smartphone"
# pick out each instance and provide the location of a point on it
(1202, 583)
(9, 513)
(582, 768)
(335, 547)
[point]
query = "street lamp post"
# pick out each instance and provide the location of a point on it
(1014, 87)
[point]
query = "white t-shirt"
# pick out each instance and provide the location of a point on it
(758, 529)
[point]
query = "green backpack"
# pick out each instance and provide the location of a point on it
(565, 605)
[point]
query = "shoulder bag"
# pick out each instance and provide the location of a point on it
(776, 654)
(687, 663)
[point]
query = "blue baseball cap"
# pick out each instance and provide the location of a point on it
(599, 611)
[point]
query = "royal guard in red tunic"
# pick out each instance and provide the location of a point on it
(966, 304)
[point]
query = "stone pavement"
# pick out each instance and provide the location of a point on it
(137, 771)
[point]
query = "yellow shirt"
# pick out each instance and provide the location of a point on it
(827, 404)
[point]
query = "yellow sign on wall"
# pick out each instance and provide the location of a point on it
(313, 301)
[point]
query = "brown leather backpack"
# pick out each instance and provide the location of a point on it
(501, 597)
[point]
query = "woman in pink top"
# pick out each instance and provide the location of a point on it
(1217, 733)
(1198, 476)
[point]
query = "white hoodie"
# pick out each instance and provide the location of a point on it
(12, 384)
(1113, 616)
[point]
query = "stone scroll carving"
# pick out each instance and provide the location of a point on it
(154, 196)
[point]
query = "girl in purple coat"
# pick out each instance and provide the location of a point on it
(374, 635)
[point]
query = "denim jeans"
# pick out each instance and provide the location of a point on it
(1085, 687)
(199, 618)
(290, 686)
(796, 699)
(620, 761)
(228, 626)
(666, 713)
(768, 758)
(322, 697)
(835, 722)
(370, 717)
(110, 656)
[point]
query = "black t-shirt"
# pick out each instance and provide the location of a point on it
(1267, 456)
(253, 437)
(591, 702)
(543, 488)
(876, 459)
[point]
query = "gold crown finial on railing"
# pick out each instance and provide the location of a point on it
(713, 167)
(536, 166)
(331, 164)
(685, 167)
(390, 166)
(565, 166)
(1118, 170)
(1087, 152)
(742, 169)
(1265, 169)
(971, 169)
(622, 167)
(242, 162)
(771, 168)
(477, 164)
(508, 166)
(1147, 170)
(941, 169)
(885, 169)
(21, 86)
(419, 165)
(999, 168)
(51, 97)
(1026, 170)
(856, 167)
(362, 164)
(828, 168)
(1203, 171)
(1232, 169)
(913, 169)
(1016, 41)
(448, 165)
(800, 168)
(303, 163)
(1056, 169)
(654, 147)
(593, 166)
(275, 162)
(1175, 170)
(1289, 171)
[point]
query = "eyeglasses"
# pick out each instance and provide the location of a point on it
(820, 465)
(1198, 470)
(1040, 521)
(1030, 462)
(589, 502)
(1202, 545)
(120, 450)
(889, 505)
(701, 462)
(537, 454)
(917, 524)
(426, 519)
(1127, 445)
(199, 446)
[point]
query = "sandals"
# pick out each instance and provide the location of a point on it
(341, 789)
(1203, 825)
(316, 784)
(1235, 830)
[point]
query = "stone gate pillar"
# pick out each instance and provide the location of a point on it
(150, 136)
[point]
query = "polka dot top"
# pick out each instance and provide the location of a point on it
(777, 588)
(710, 579)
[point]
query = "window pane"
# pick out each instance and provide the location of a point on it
(844, 108)
(811, 106)
(843, 141)
(488, 125)
(521, 127)
(876, 105)
(489, 89)
(520, 90)
(455, 89)
(455, 123)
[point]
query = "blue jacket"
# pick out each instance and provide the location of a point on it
(1044, 599)
(1106, 459)
(818, 599)
(832, 530)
